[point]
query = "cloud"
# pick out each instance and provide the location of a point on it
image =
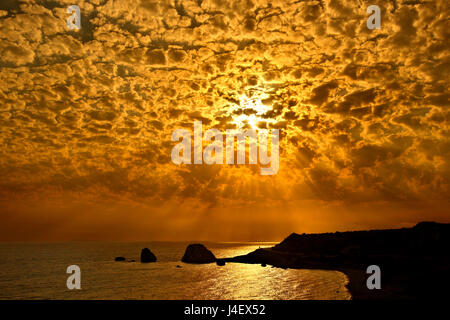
(362, 113)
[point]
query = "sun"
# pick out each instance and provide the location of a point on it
(255, 104)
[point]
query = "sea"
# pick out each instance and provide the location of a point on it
(38, 271)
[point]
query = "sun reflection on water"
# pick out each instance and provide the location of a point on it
(167, 279)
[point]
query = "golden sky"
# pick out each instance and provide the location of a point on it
(86, 117)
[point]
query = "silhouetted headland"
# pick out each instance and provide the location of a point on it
(414, 262)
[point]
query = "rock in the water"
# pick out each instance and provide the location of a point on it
(119, 259)
(198, 253)
(220, 262)
(147, 256)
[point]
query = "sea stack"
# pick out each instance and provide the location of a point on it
(147, 256)
(198, 253)
(220, 262)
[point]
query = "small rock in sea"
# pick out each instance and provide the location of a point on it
(119, 259)
(147, 256)
(198, 253)
(220, 262)
(263, 264)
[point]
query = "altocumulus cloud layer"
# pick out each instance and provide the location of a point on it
(86, 116)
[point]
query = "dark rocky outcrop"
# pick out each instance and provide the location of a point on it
(198, 253)
(147, 256)
(415, 262)
(424, 238)
(220, 262)
(119, 259)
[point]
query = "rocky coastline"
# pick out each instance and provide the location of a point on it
(414, 262)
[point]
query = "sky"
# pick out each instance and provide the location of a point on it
(86, 117)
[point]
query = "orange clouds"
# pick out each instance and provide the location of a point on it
(363, 114)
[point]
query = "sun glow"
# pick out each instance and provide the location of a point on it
(252, 111)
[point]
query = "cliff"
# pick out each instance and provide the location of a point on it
(414, 262)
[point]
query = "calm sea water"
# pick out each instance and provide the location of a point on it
(38, 271)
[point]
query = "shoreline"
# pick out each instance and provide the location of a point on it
(414, 263)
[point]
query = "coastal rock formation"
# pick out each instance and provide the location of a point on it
(198, 253)
(147, 256)
(426, 238)
(119, 259)
(415, 262)
(220, 262)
